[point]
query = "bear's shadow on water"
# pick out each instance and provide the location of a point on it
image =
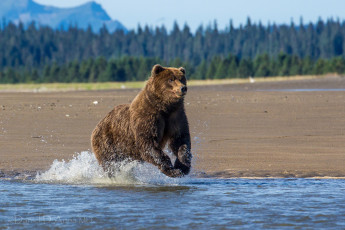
(176, 189)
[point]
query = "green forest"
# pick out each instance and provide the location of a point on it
(41, 54)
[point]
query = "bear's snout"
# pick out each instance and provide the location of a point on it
(184, 89)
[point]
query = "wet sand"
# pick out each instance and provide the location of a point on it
(238, 130)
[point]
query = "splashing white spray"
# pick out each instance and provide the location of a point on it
(84, 169)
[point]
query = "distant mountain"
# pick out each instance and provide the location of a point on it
(82, 16)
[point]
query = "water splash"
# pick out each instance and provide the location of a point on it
(84, 169)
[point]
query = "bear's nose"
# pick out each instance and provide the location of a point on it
(183, 89)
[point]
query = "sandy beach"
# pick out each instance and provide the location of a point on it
(265, 129)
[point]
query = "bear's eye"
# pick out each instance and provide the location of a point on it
(171, 80)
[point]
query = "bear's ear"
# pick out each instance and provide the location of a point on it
(182, 70)
(157, 69)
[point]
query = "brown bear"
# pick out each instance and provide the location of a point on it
(140, 130)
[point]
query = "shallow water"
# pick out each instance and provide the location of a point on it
(78, 194)
(195, 203)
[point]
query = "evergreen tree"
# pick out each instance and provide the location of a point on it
(319, 67)
(201, 71)
(295, 68)
(36, 53)
(337, 65)
(210, 74)
(307, 66)
(233, 66)
(222, 69)
(245, 68)
(261, 65)
(46, 74)
(73, 72)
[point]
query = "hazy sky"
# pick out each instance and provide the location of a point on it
(197, 12)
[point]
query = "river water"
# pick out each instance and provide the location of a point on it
(77, 194)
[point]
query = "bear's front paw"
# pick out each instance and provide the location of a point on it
(174, 173)
(171, 172)
(185, 156)
(185, 168)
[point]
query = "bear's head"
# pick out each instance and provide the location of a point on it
(168, 83)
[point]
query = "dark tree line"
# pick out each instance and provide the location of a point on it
(138, 69)
(29, 54)
(32, 46)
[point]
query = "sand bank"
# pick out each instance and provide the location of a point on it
(238, 130)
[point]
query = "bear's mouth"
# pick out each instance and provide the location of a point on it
(179, 94)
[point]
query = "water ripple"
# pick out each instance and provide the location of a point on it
(72, 199)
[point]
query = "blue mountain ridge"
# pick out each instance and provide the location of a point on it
(82, 16)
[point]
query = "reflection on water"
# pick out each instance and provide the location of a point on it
(190, 203)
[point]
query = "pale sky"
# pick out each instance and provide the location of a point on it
(196, 12)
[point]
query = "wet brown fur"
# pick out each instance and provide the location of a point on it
(140, 130)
